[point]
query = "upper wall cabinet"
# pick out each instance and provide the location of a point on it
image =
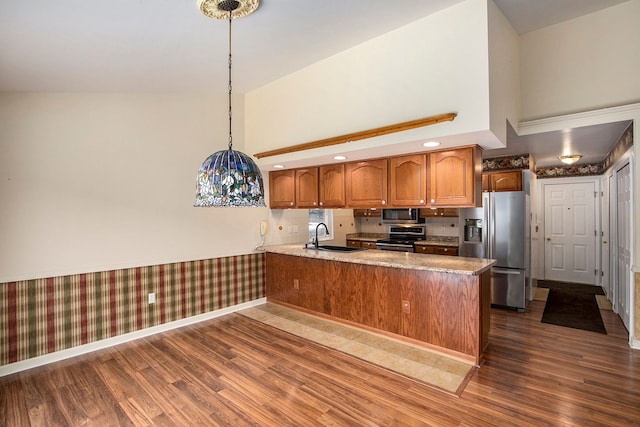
(455, 178)
(502, 181)
(306, 188)
(331, 186)
(282, 189)
(408, 180)
(366, 183)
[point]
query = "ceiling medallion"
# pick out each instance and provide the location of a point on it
(219, 9)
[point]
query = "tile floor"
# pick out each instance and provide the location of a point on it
(413, 361)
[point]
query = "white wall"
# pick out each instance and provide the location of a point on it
(582, 64)
(438, 64)
(90, 182)
(504, 72)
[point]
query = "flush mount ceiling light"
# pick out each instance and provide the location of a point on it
(431, 144)
(229, 178)
(570, 159)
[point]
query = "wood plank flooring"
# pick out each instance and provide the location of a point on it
(233, 371)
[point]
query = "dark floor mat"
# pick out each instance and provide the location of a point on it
(571, 287)
(576, 310)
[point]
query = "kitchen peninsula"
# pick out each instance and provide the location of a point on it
(438, 301)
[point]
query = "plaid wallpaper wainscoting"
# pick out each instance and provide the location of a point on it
(42, 316)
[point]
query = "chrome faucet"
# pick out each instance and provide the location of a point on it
(325, 227)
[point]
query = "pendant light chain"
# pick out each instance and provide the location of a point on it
(230, 135)
(229, 178)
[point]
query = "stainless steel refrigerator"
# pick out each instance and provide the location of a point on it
(500, 230)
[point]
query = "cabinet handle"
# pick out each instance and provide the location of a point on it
(321, 204)
(290, 203)
(314, 203)
(384, 203)
(433, 200)
(421, 201)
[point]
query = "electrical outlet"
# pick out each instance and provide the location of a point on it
(152, 298)
(406, 306)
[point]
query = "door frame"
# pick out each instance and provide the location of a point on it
(611, 174)
(596, 181)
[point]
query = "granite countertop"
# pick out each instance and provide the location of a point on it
(412, 261)
(450, 241)
(367, 237)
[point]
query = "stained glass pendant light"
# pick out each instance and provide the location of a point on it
(229, 178)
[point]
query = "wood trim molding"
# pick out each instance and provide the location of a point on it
(356, 136)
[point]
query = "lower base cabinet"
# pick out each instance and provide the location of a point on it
(449, 311)
(437, 250)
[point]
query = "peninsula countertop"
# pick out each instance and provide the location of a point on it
(413, 261)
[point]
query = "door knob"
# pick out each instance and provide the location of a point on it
(549, 238)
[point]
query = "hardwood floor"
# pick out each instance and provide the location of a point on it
(234, 371)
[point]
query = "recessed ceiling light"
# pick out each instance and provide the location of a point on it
(278, 166)
(570, 159)
(431, 144)
(339, 158)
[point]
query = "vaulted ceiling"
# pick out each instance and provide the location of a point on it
(169, 46)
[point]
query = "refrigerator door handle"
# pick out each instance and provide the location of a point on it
(492, 227)
(503, 271)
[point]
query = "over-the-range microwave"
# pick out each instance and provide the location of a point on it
(401, 216)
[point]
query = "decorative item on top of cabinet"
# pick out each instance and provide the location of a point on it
(408, 180)
(366, 184)
(455, 177)
(331, 186)
(503, 181)
(367, 213)
(306, 188)
(282, 190)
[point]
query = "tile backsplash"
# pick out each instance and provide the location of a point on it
(442, 227)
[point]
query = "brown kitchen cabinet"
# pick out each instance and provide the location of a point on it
(436, 250)
(331, 186)
(366, 184)
(408, 180)
(297, 283)
(448, 310)
(306, 185)
(367, 244)
(502, 181)
(366, 213)
(282, 189)
(455, 178)
(354, 243)
(439, 213)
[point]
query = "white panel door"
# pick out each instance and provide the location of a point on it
(623, 276)
(570, 233)
(604, 256)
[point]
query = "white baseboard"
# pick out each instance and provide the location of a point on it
(110, 342)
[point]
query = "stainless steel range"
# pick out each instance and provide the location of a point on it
(402, 237)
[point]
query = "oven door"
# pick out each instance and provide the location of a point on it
(397, 247)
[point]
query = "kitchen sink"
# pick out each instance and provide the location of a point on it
(339, 248)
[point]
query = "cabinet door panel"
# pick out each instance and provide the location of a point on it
(455, 177)
(331, 186)
(307, 188)
(282, 189)
(366, 184)
(506, 181)
(408, 180)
